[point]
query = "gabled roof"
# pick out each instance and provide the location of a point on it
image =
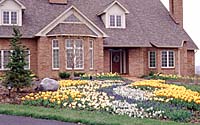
(111, 5)
(147, 23)
(19, 3)
(61, 18)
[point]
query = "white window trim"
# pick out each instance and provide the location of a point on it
(149, 61)
(91, 68)
(116, 21)
(10, 24)
(2, 68)
(55, 48)
(74, 48)
(29, 59)
(168, 67)
(2, 60)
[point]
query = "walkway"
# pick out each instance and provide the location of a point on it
(19, 120)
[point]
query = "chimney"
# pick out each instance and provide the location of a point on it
(176, 11)
(58, 1)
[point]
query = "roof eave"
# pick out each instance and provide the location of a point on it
(19, 3)
(115, 2)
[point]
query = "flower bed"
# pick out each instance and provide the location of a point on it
(143, 99)
(171, 91)
(102, 76)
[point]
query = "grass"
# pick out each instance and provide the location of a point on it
(85, 117)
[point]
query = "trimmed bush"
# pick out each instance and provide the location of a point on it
(64, 75)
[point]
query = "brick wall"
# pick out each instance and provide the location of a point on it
(191, 62)
(31, 44)
(138, 61)
(107, 60)
(176, 11)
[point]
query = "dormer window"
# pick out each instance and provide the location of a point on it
(114, 16)
(11, 12)
(115, 21)
(10, 18)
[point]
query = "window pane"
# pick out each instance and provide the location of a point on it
(112, 20)
(27, 59)
(79, 43)
(152, 59)
(13, 17)
(5, 17)
(164, 58)
(55, 43)
(6, 60)
(56, 63)
(0, 60)
(69, 43)
(79, 58)
(91, 55)
(119, 21)
(171, 59)
(91, 59)
(70, 60)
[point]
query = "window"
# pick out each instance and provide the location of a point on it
(119, 21)
(112, 20)
(152, 59)
(13, 17)
(27, 59)
(115, 21)
(91, 54)
(74, 53)
(6, 17)
(5, 58)
(168, 59)
(10, 17)
(55, 54)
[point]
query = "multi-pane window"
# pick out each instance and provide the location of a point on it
(168, 59)
(55, 54)
(13, 17)
(119, 21)
(9, 17)
(115, 21)
(91, 54)
(152, 59)
(6, 17)
(0, 59)
(74, 53)
(112, 20)
(5, 59)
(27, 59)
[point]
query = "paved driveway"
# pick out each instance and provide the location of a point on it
(18, 120)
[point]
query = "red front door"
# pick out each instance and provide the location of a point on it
(116, 62)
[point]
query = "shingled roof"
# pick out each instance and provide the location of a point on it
(148, 22)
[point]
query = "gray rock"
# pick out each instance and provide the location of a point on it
(48, 84)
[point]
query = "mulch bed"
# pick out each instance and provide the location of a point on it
(15, 97)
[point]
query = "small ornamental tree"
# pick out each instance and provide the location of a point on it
(17, 76)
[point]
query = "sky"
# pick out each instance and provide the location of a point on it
(191, 9)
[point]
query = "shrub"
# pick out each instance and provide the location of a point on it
(78, 74)
(64, 75)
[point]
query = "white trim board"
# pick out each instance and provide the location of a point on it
(19, 3)
(112, 4)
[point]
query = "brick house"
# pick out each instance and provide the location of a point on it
(131, 37)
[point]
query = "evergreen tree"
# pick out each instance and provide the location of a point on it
(17, 76)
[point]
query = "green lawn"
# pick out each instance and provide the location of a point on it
(85, 117)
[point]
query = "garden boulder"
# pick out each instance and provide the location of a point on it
(48, 84)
